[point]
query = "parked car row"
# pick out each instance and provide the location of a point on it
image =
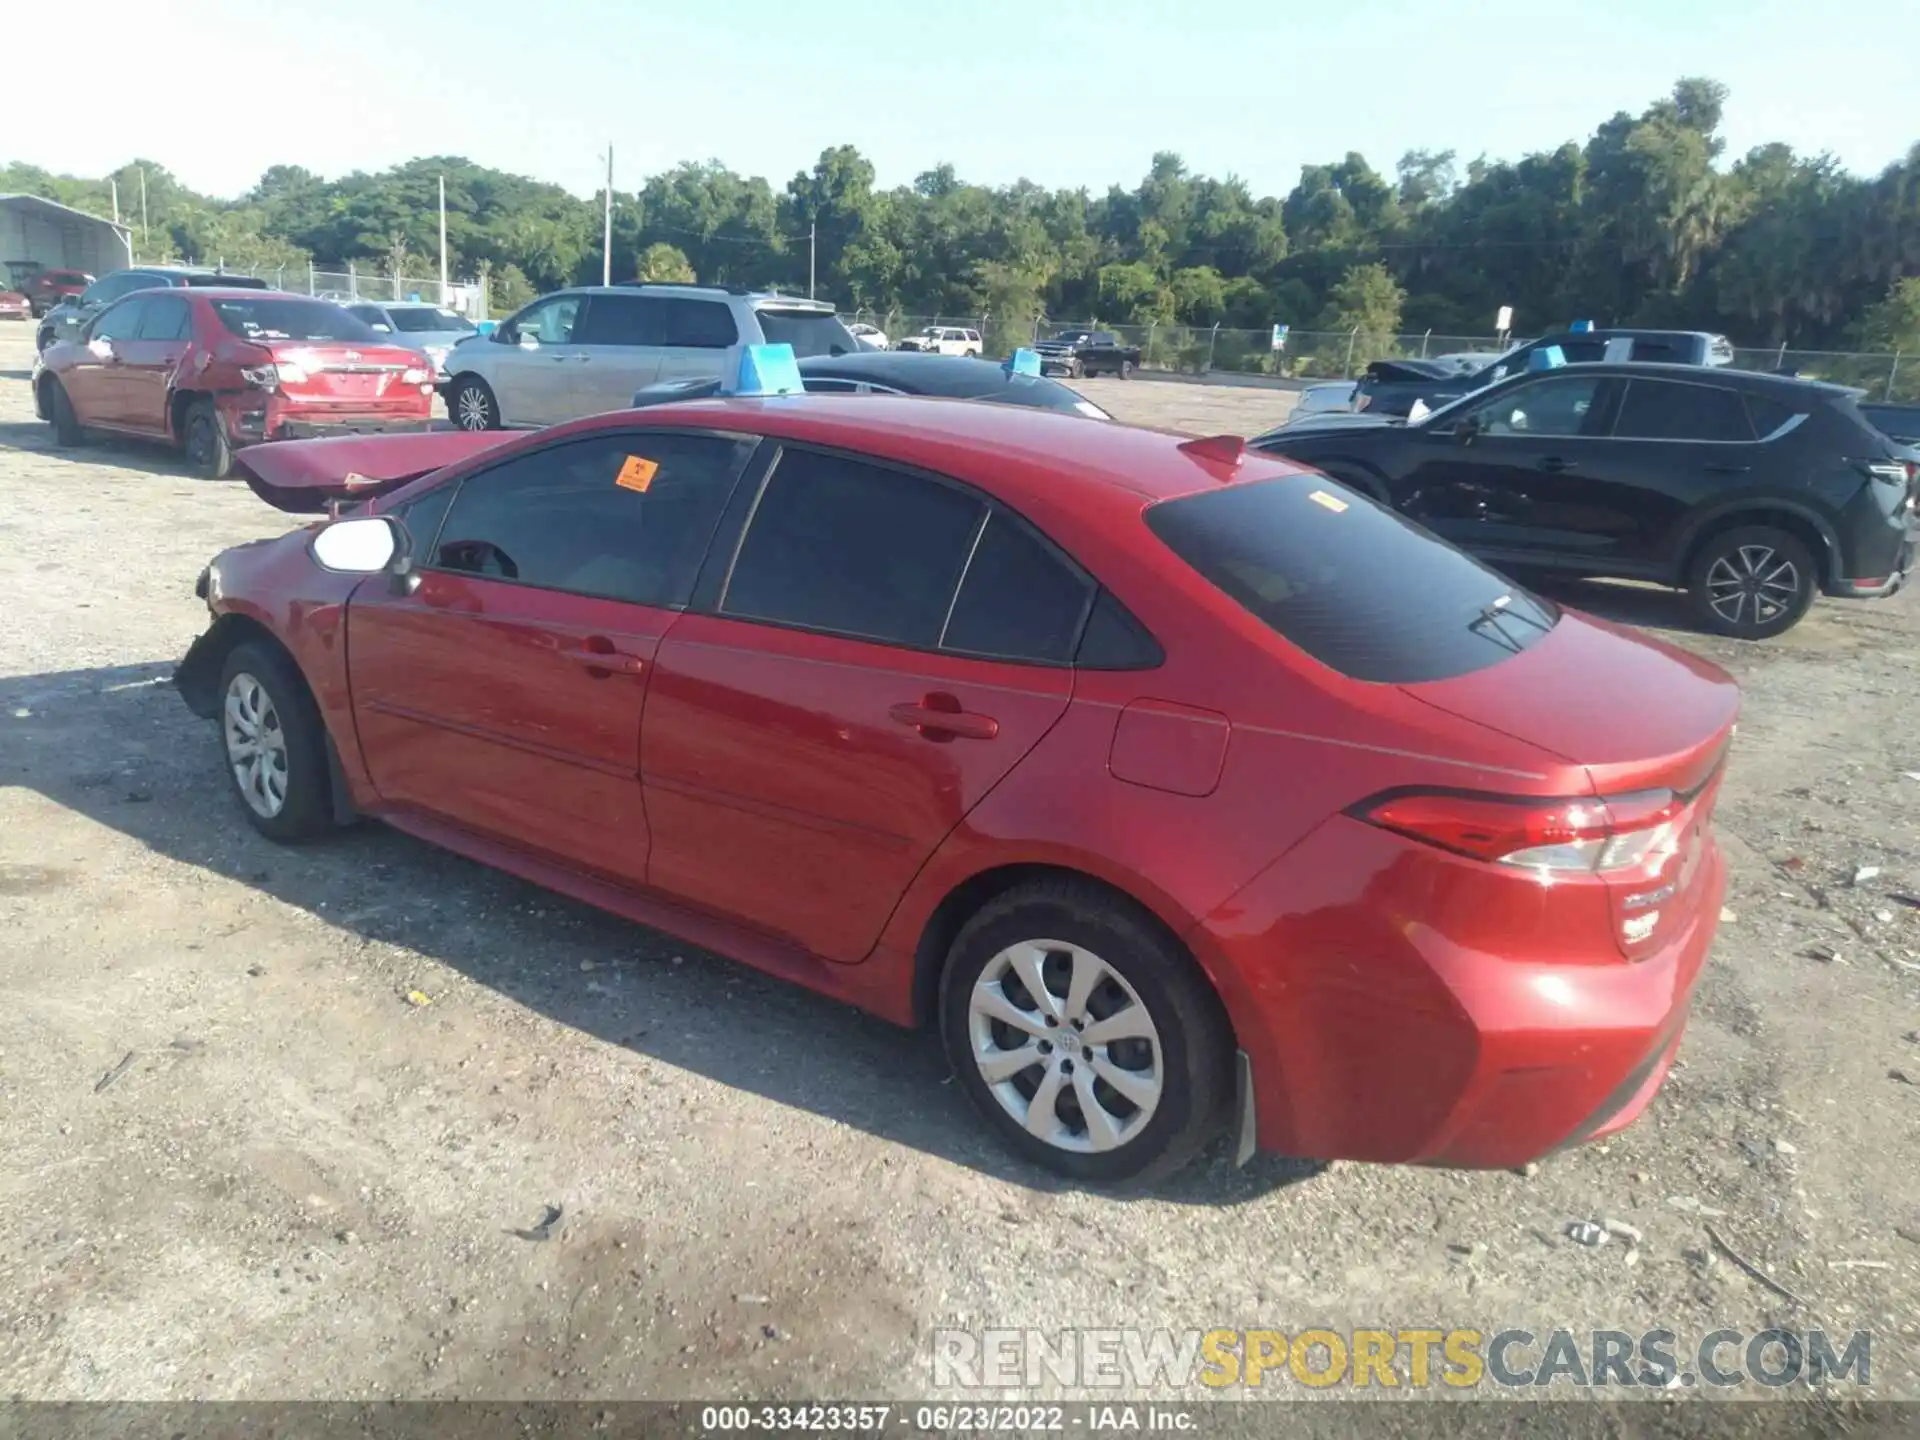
(44, 286)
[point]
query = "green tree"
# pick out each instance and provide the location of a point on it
(661, 262)
(1366, 300)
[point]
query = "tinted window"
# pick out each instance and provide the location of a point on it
(167, 318)
(809, 332)
(110, 287)
(418, 320)
(1545, 407)
(1662, 352)
(618, 320)
(1668, 410)
(228, 282)
(372, 314)
(1114, 640)
(1019, 600)
(293, 320)
(122, 322)
(1769, 414)
(701, 325)
(549, 321)
(839, 545)
(422, 516)
(1356, 586)
(626, 517)
(815, 385)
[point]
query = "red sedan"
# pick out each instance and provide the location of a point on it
(1180, 788)
(213, 370)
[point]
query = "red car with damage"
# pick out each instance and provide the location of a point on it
(215, 370)
(1177, 787)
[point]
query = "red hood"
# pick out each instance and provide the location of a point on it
(1635, 711)
(303, 476)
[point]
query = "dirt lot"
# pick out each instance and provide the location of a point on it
(238, 1162)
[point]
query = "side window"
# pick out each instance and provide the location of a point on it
(105, 290)
(1114, 640)
(1670, 410)
(1579, 352)
(1659, 352)
(422, 516)
(817, 385)
(625, 517)
(836, 544)
(1768, 414)
(700, 324)
(122, 322)
(373, 315)
(622, 320)
(550, 321)
(1019, 599)
(167, 318)
(1546, 407)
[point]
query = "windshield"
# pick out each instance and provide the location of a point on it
(421, 320)
(293, 320)
(1359, 587)
(809, 332)
(1073, 337)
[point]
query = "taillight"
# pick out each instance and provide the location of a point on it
(273, 374)
(1893, 472)
(1592, 836)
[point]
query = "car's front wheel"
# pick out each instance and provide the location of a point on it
(1126, 369)
(1085, 1035)
(472, 406)
(67, 429)
(1752, 583)
(275, 744)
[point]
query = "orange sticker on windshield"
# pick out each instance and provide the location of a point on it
(637, 473)
(1320, 497)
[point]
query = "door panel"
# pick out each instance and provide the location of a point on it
(794, 781)
(618, 342)
(98, 384)
(511, 710)
(166, 330)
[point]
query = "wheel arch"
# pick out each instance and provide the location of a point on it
(179, 401)
(1801, 523)
(969, 896)
(42, 393)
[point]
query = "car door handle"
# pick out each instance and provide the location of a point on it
(1554, 465)
(614, 661)
(939, 717)
(1727, 468)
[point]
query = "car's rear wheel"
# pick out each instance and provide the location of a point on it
(275, 745)
(1126, 369)
(1752, 582)
(1086, 1037)
(472, 406)
(205, 441)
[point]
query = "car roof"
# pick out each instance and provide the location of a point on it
(243, 292)
(756, 298)
(957, 373)
(1028, 456)
(1720, 375)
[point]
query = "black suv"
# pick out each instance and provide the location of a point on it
(1391, 387)
(65, 320)
(1752, 492)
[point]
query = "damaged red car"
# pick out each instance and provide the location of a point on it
(212, 371)
(1177, 788)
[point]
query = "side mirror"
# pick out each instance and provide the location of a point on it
(361, 545)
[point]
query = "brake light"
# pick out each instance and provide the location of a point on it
(270, 376)
(1590, 836)
(1894, 472)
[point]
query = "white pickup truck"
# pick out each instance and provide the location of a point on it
(944, 340)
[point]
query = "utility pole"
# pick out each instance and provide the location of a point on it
(114, 186)
(143, 207)
(606, 252)
(813, 253)
(443, 239)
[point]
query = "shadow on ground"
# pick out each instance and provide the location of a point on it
(117, 745)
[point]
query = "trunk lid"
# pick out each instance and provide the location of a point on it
(307, 477)
(356, 375)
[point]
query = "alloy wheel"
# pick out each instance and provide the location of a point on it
(473, 412)
(256, 745)
(1752, 585)
(1066, 1046)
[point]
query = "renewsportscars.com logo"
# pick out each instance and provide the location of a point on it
(1416, 1359)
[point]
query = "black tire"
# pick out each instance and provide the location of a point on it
(1751, 582)
(1126, 369)
(42, 339)
(1195, 1042)
(305, 811)
(471, 405)
(1075, 370)
(67, 429)
(205, 441)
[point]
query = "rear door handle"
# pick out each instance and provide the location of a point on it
(1728, 469)
(1554, 465)
(939, 717)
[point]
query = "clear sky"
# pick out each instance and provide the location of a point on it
(1064, 92)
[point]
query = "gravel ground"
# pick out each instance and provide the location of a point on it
(241, 1163)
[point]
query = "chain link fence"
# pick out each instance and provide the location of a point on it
(345, 287)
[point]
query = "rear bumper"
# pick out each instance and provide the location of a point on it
(1874, 588)
(1378, 1036)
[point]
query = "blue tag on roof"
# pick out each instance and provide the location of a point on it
(1024, 362)
(1549, 358)
(1581, 327)
(766, 370)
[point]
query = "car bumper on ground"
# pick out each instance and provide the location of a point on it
(1426, 1050)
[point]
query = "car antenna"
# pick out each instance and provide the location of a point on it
(1221, 449)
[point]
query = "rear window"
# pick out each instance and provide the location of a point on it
(227, 282)
(809, 332)
(293, 320)
(1769, 414)
(420, 322)
(1358, 587)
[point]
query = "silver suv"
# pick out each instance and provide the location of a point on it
(588, 349)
